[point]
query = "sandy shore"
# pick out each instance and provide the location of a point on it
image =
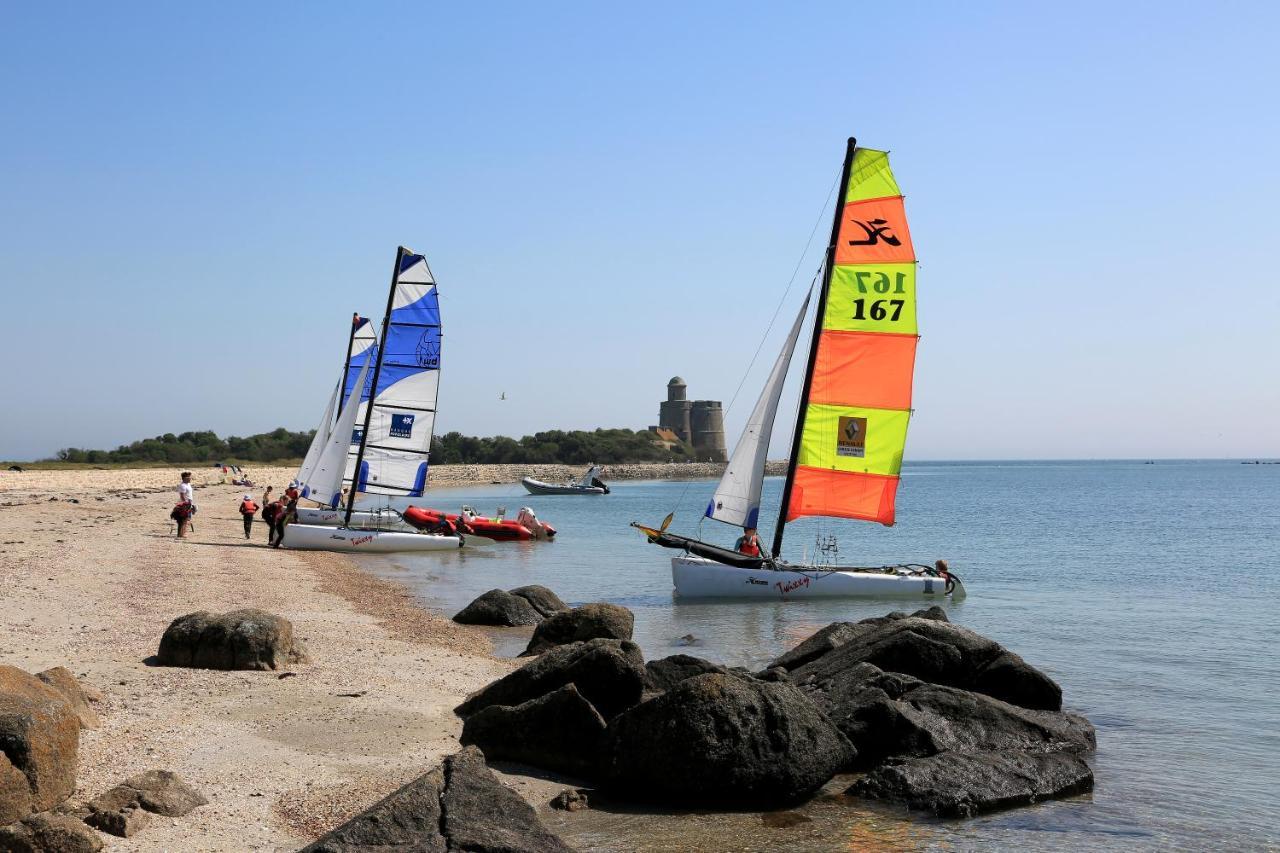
(119, 483)
(92, 585)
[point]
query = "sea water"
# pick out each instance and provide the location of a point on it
(1147, 590)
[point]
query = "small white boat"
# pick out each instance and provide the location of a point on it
(314, 537)
(589, 484)
(698, 577)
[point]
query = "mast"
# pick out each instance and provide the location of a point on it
(813, 347)
(401, 251)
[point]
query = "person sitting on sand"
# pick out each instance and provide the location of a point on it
(248, 509)
(748, 543)
(186, 495)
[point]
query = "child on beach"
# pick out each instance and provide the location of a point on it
(248, 509)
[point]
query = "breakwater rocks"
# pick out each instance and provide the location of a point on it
(937, 717)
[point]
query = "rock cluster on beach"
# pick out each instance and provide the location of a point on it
(40, 721)
(556, 623)
(938, 718)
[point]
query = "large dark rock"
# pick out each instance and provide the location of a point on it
(241, 639)
(498, 607)
(543, 600)
(718, 739)
(40, 738)
(954, 784)
(665, 673)
(588, 622)
(482, 814)
(405, 820)
(47, 832)
(560, 731)
(889, 714)
(929, 649)
(61, 680)
(609, 673)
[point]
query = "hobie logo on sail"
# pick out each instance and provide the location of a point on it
(402, 426)
(851, 437)
(875, 231)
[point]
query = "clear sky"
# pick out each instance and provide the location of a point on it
(195, 200)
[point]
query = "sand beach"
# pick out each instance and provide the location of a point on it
(90, 576)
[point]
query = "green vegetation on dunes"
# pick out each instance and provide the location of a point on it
(575, 447)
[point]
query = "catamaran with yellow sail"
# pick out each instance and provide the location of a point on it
(851, 427)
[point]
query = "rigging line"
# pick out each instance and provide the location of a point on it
(776, 311)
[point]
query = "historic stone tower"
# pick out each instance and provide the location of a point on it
(699, 423)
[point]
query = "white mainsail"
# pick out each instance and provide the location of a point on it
(737, 498)
(318, 441)
(326, 479)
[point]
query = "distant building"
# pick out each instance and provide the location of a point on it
(698, 423)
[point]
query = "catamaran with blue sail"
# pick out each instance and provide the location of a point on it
(380, 443)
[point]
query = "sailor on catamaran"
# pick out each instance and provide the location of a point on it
(748, 543)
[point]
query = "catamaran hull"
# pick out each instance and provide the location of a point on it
(696, 577)
(314, 537)
(359, 518)
(537, 487)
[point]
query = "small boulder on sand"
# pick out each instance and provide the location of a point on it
(498, 607)
(588, 622)
(241, 639)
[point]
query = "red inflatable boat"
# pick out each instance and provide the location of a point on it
(526, 525)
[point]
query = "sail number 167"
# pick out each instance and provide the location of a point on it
(878, 311)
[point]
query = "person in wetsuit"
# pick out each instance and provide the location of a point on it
(748, 543)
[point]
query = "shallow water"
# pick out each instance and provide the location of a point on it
(1146, 590)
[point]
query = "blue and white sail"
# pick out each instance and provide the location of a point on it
(737, 498)
(363, 347)
(398, 444)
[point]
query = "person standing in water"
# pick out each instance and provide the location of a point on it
(748, 543)
(248, 509)
(186, 505)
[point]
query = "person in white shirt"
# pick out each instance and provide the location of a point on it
(187, 496)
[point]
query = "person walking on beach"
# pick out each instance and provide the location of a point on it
(748, 543)
(186, 507)
(248, 509)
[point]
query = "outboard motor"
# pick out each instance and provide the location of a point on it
(527, 518)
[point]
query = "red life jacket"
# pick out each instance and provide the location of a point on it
(750, 547)
(248, 507)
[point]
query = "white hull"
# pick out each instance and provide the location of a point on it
(537, 487)
(359, 518)
(313, 537)
(696, 577)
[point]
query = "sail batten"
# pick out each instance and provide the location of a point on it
(856, 406)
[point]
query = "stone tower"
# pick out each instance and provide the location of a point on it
(707, 422)
(674, 413)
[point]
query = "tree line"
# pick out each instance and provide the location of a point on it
(575, 447)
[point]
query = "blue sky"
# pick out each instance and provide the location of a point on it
(195, 199)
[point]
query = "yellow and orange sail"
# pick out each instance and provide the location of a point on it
(854, 417)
